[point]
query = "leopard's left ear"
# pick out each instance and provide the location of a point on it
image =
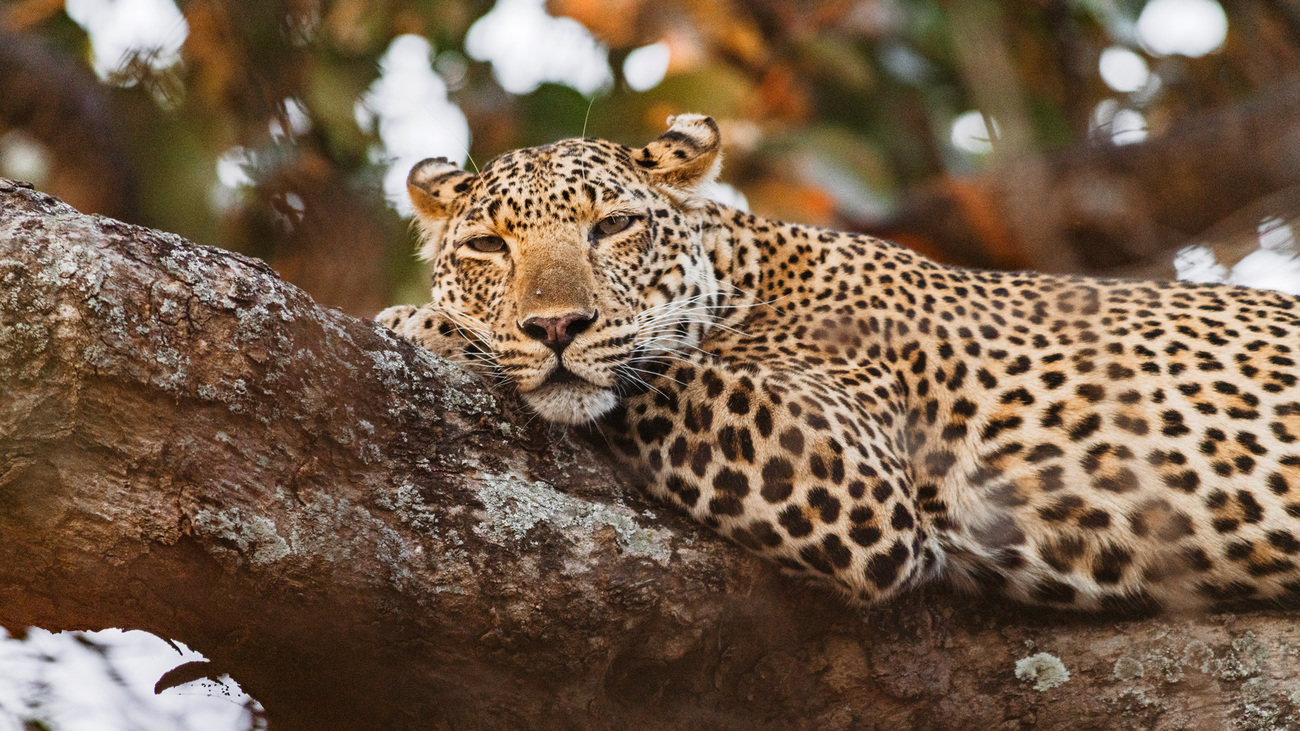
(685, 157)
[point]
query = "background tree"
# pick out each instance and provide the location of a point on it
(865, 114)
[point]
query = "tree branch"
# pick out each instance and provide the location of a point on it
(365, 537)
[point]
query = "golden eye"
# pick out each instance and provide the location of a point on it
(612, 225)
(486, 244)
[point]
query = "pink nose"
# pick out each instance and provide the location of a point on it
(557, 332)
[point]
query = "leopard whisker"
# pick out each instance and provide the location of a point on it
(665, 376)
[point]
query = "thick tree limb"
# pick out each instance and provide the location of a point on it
(366, 538)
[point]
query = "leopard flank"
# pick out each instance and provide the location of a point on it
(848, 408)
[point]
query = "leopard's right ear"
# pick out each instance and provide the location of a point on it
(434, 185)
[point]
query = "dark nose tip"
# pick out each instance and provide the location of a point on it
(557, 332)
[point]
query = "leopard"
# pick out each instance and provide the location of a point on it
(856, 412)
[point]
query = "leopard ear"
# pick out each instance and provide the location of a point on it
(685, 157)
(434, 186)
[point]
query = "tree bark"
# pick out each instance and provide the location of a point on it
(365, 537)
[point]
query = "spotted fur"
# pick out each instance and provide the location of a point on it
(846, 407)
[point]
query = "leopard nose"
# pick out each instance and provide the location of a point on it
(557, 332)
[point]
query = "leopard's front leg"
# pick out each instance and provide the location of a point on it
(769, 456)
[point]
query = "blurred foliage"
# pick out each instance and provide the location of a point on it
(835, 112)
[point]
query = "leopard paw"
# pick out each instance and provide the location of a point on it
(394, 318)
(427, 327)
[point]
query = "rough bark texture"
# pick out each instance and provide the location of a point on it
(364, 537)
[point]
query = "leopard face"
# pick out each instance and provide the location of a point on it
(572, 267)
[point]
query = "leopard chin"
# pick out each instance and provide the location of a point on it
(571, 402)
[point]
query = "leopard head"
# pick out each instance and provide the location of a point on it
(577, 267)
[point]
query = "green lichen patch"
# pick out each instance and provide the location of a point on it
(1128, 668)
(513, 506)
(253, 538)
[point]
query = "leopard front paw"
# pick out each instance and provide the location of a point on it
(427, 327)
(394, 318)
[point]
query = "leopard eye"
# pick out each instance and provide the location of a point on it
(486, 244)
(612, 225)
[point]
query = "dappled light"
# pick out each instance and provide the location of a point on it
(1184, 27)
(527, 47)
(1123, 70)
(121, 30)
(408, 107)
